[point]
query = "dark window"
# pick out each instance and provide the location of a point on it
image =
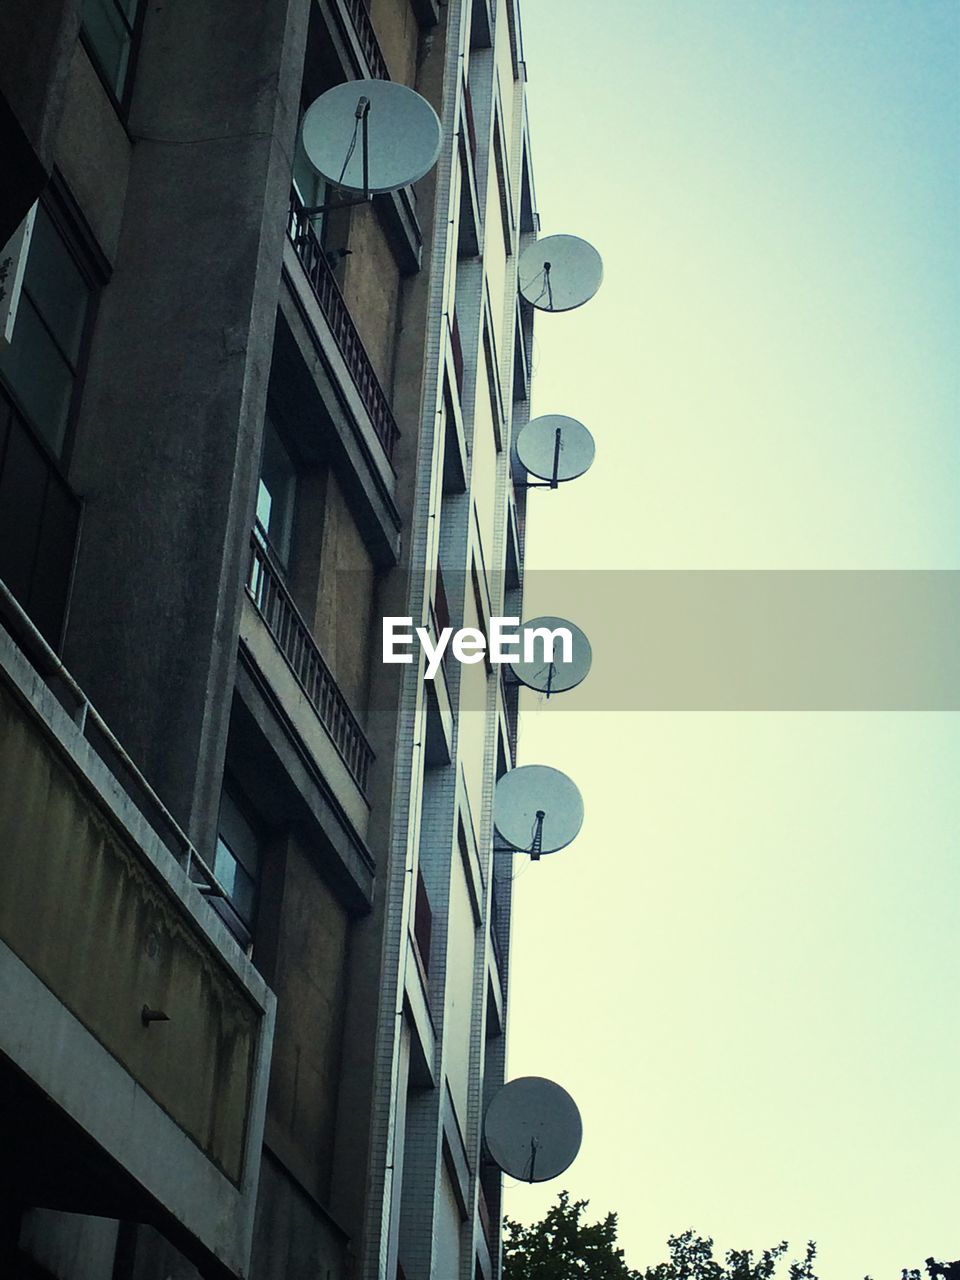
(42, 363)
(277, 493)
(237, 867)
(109, 29)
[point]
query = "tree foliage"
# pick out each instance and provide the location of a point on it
(562, 1246)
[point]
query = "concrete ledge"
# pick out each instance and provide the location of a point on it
(50, 1046)
(422, 1035)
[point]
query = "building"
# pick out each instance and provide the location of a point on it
(254, 939)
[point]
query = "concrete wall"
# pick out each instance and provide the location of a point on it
(396, 27)
(93, 152)
(36, 43)
(169, 433)
(99, 930)
(343, 614)
(371, 286)
(309, 982)
(294, 1239)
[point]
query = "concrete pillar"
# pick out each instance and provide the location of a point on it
(168, 443)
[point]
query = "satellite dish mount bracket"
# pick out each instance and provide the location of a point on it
(554, 481)
(362, 116)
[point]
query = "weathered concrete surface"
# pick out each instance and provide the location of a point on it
(36, 44)
(93, 151)
(398, 32)
(83, 911)
(371, 287)
(309, 981)
(169, 438)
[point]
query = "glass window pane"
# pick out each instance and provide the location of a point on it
(264, 505)
(277, 493)
(238, 835)
(236, 883)
(309, 186)
(38, 374)
(56, 286)
(108, 34)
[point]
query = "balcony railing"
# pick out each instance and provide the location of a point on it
(471, 123)
(288, 628)
(496, 925)
(39, 522)
(345, 332)
(423, 924)
(456, 345)
(367, 37)
(486, 1220)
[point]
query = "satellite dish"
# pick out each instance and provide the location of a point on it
(560, 273)
(554, 674)
(532, 1129)
(555, 448)
(371, 136)
(537, 809)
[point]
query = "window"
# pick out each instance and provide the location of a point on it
(237, 868)
(42, 363)
(309, 186)
(109, 28)
(277, 493)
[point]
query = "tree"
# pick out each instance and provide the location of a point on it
(562, 1247)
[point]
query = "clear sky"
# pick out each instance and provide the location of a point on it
(747, 967)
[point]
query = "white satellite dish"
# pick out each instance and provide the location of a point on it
(555, 674)
(532, 1129)
(560, 273)
(555, 448)
(537, 809)
(371, 136)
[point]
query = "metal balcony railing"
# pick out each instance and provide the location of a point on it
(496, 925)
(39, 523)
(423, 924)
(471, 123)
(369, 43)
(486, 1220)
(286, 624)
(456, 345)
(90, 725)
(345, 332)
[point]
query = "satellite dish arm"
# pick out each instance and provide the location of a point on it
(362, 116)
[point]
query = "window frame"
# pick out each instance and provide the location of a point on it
(121, 103)
(68, 222)
(243, 930)
(283, 557)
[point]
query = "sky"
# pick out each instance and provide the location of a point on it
(746, 967)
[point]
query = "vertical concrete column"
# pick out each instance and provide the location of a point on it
(36, 41)
(168, 443)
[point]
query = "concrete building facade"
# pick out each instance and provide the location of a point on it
(254, 937)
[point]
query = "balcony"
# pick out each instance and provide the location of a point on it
(39, 523)
(522, 364)
(332, 304)
(456, 347)
(367, 38)
(423, 927)
(289, 630)
(103, 919)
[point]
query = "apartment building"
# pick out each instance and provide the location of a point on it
(254, 937)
